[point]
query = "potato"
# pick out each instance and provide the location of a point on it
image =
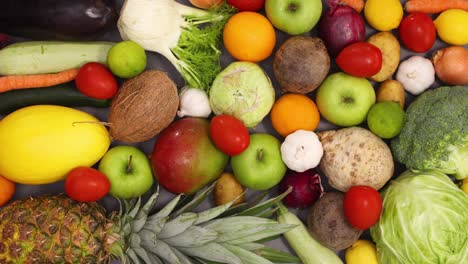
(327, 223)
(301, 64)
(355, 156)
(391, 90)
(227, 188)
(390, 48)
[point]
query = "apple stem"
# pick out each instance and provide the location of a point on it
(292, 7)
(260, 154)
(129, 164)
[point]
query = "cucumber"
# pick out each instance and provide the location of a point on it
(63, 94)
(39, 57)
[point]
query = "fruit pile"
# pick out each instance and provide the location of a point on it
(296, 118)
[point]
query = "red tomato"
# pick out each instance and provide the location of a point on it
(362, 206)
(417, 32)
(229, 134)
(86, 184)
(96, 81)
(360, 59)
(247, 5)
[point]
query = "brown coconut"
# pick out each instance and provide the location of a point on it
(143, 106)
(301, 64)
(355, 156)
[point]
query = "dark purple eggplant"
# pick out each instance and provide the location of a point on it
(57, 19)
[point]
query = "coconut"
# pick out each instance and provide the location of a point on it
(143, 106)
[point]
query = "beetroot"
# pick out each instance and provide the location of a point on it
(340, 26)
(307, 188)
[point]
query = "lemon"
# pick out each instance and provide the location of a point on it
(452, 26)
(361, 252)
(464, 186)
(385, 119)
(126, 59)
(383, 15)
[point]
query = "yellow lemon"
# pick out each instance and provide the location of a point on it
(464, 185)
(360, 252)
(452, 26)
(383, 15)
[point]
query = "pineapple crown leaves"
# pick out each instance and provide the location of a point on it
(221, 234)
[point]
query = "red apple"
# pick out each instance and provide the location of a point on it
(184, 158)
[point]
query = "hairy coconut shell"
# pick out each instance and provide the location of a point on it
(143, 106)
(301, 64)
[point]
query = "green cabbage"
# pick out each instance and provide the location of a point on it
(424, 220)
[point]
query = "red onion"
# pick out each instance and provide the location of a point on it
(3, 40)
(307, 188)
(340, 26)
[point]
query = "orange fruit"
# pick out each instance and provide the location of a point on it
(7, 189)
(249, 36)
(292, 112)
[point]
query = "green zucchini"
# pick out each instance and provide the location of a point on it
(39, 57)
(63, 94)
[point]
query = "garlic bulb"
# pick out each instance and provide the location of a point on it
(193, 102)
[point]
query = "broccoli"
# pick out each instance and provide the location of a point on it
(435, 132)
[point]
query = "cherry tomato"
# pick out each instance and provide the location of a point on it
(360, 59)
(417, 32)
(362, 206)
(247, 5)
(86, 184)
(229, 134)
(96, 81)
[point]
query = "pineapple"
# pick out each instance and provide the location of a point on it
(56, 229)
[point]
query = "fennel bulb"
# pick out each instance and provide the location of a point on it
(174, 30)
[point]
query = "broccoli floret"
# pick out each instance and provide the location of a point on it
(435, 132)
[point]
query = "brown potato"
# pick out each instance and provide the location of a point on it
(390, 48)
(327, 223)
(227, 188)
(301, 64)
(391, 90)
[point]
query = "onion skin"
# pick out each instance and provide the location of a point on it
(340, 26)
(205, 4)
(307, 188)
(451, 65)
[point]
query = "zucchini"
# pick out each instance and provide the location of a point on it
(39, 57)
(63, 94)
(57, 19)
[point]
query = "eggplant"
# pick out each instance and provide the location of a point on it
(57, 19)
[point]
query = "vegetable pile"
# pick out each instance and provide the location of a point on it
(338, 125)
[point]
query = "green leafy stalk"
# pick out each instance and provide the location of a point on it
(198, 50)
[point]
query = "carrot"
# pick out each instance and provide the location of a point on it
(357, 5)
(14, 82)
(435, 6)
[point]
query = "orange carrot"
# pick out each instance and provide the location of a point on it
(13, 82)
(435, 6)
(357, 5)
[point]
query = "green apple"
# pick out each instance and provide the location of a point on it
(129, 171)
(344, 100)
(294, 17)
(260, 166)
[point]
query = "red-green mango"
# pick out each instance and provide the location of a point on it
(184, 159)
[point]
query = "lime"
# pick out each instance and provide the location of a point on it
(385, 119)
(126, 59)
(452, 25)
(360, 252)
(383, 15)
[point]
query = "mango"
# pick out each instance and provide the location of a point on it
(41, 144)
